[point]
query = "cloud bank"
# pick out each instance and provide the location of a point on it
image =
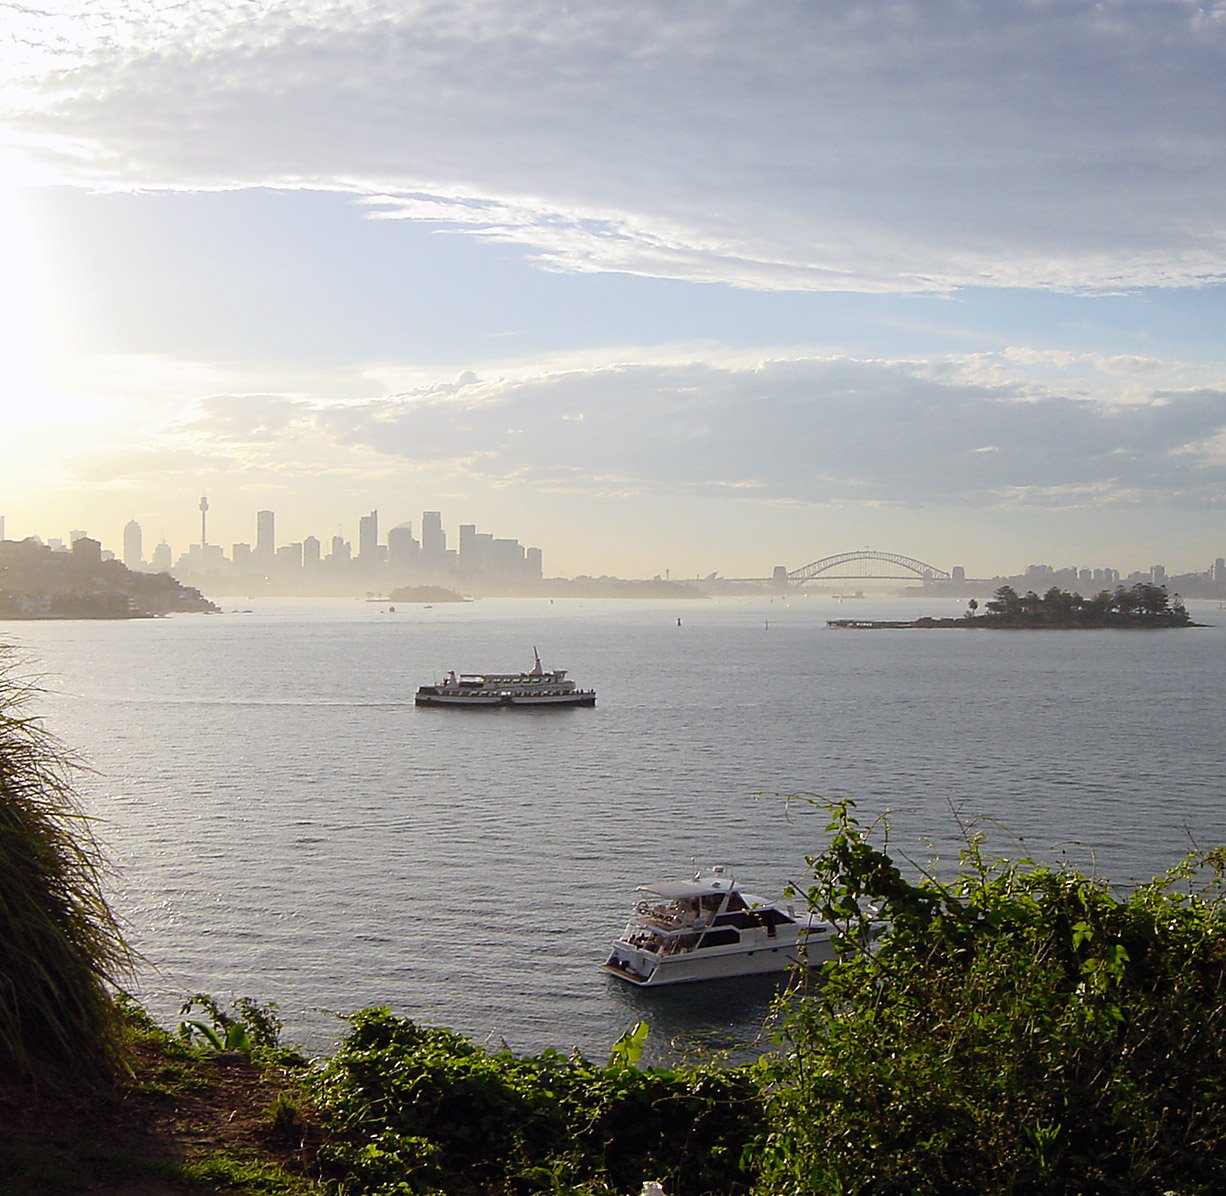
(825, 431)
(913, 146)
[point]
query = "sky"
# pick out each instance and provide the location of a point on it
(662, 285)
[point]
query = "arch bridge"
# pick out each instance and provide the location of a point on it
(831, 567)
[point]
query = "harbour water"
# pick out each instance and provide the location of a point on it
(284, 823)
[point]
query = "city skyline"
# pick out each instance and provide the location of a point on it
(480, 556)
(667, 287)
(475, 556)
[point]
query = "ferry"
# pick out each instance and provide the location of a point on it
(708, 927)
(539, 687)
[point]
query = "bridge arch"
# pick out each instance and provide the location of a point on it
(829, 565)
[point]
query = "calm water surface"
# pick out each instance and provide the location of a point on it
(285, 824)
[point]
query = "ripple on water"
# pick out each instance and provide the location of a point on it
(285, 825)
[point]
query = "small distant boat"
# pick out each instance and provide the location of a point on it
(708, 927)
(484, 690)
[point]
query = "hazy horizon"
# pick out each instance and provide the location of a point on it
(655, 287)
(198, 568)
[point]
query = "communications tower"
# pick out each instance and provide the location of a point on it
(204, 514)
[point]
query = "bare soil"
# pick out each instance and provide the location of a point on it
(176, 1109)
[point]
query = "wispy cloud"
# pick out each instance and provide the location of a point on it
(859, 146)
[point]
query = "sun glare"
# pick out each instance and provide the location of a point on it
(23, 307)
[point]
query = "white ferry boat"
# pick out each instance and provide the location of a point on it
(709, 927)
(536, 688)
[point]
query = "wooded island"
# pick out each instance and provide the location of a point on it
(1143, 606)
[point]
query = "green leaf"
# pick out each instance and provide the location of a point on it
(628, 1049)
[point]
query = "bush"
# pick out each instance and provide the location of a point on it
(60, 947)
(415, 1109)
(1020, 1029)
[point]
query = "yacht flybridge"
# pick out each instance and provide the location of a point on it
(535, 688)
(708, 927)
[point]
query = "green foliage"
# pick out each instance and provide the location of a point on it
(1141, 605)
(254, 1176)
(248, 1027)
(414, 1109)
(61, 950)
(628, 1049)
(1019, 1029)
(286, 1117)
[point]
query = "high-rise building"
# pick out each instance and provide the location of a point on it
(162, 558)
(433, 538)
(1, 527)
(403, 551)
(85, 548)
(132, 552)
(76, 534)
(506, 559)
(340, 549)
(1216, 573)
(265, 535)
(1157, 574)
(473, 558)
(368, 537)
(311, 549)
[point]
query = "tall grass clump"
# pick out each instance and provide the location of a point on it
(61, 950)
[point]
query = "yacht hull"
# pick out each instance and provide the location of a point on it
(646, 969)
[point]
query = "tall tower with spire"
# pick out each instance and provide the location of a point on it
(204, 514)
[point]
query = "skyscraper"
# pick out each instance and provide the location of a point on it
(132, 548)
(368, 537)
(265, 535)
(433, 539)
(402, 549)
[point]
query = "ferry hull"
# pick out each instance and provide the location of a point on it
(496, 701)
(491, 691)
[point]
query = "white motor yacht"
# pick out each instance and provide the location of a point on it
(709, 927)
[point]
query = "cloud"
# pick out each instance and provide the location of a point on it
(808, 430)
(912, 146)
(250, 419)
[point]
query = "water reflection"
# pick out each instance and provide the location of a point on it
(732, 1017)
